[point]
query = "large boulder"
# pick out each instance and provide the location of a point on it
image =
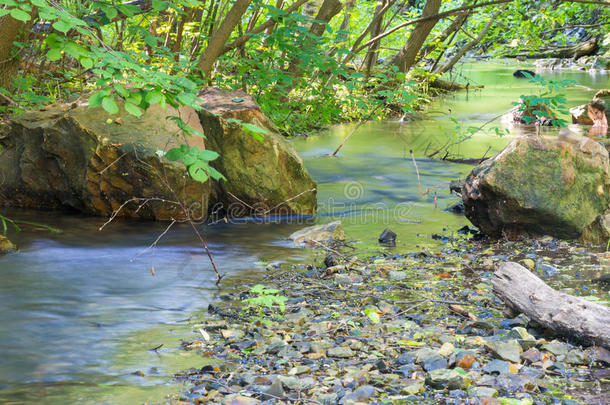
(540, 185)
(264, 173)
(74, 156)
(582, 114)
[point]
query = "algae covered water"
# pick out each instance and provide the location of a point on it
(85, 321)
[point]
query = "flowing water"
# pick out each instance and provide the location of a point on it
(84, 320)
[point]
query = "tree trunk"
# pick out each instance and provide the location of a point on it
(406, 57)
(453, 27)
(10, 29)
(371, 56)
(328, 10)
(449, 65)
(267, 25)
(220, 37)
(562, 313)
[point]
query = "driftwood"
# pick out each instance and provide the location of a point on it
(564, 314)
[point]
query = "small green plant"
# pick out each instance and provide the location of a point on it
(265, 298)
(547, 103)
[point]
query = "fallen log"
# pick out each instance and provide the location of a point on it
(562, 313)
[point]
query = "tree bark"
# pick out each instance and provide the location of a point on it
(406, 57)
(218, 40)
(449, 65)
(564, 314)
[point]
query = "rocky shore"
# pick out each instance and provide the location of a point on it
(423, 327)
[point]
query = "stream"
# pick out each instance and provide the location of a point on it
(85, 321)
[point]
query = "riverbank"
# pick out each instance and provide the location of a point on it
(422, 327)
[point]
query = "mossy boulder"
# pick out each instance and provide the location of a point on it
(265, 176)
(540, 186)
(74, 156)
(71, 155)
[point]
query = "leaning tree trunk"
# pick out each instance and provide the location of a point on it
(10, 30)
(562, 313)
(449, 65)
(220, 37)
(575, 51)
(406, 57)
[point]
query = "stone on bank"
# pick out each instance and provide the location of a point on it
(77, 157)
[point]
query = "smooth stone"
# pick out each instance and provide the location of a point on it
(509, 350)
(340, 352)
(497, 366)
(430, 359)
(445, 378)
(319, 233)
(412, 387)
(576, 357)
(446, 349)
(481, 392)
(557, 348)
(361, 394)
(236, 399)
(276, 389)
(531, 355)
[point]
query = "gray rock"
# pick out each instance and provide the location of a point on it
(482, 392)
(276, 389)
(319, 233)
(397, 275)
(497, 366)
(576, 357)
(444, 378)
(430, 359)
(557, 348)
(361, 394)
(509, 350)
(340, 352)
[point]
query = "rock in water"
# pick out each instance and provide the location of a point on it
(544, 186)
(523, 74)
(264, 173)
(6, 245)
(319, 233)
(387, 237)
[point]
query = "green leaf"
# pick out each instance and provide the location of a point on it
(96, 98)
(207, 155)
(62, 26)
(54, 55)
(215, 174)
(174, 154)
(154, 96)
(198, 171)
(87, 63)
(109, 105)
(20, 15)
(133, 109)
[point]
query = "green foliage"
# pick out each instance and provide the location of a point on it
(547, 103)
(265, 298)
(196, 161)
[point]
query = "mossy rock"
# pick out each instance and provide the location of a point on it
(540, 186)
(6, 245)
